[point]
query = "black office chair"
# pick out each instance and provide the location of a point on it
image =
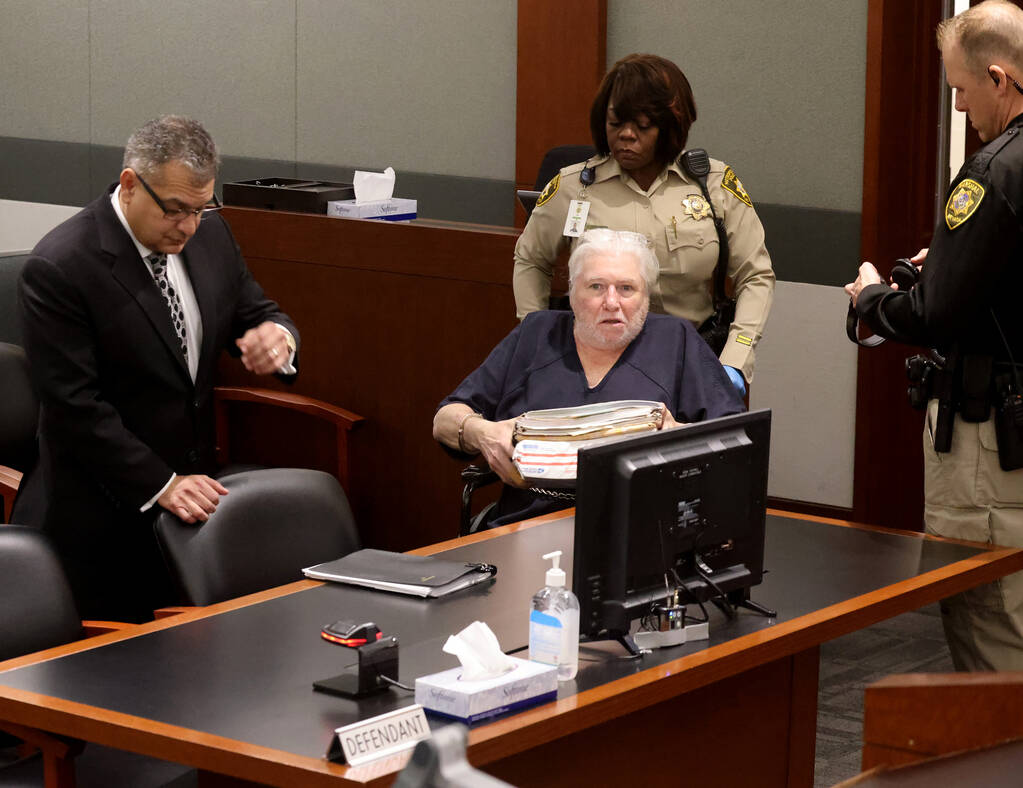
(10, 272)
(553, 161)
(38, 612)
(558, 157)
(273, 522)
(19, 418)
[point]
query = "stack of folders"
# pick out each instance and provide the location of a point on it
(401, 573)
(547, 442)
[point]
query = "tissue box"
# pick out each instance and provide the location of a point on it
(469, 701)
(396, 209)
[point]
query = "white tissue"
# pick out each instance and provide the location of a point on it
(479, 652)
(373, 186)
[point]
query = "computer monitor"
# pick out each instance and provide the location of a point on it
(684, 506)
(528, 198)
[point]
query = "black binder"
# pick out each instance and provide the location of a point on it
(401, 573)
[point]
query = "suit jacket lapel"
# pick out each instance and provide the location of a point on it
(201, 266)
(130, 270)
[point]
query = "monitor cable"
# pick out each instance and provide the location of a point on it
(720, 598)
(393, 683)
(694, 597)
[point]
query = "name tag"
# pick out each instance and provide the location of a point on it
(575, 222)
(377, 737)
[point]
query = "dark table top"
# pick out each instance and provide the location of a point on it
(247, 674)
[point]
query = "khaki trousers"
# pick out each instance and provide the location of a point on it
(968, 496)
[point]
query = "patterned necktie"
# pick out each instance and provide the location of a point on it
(170, 295)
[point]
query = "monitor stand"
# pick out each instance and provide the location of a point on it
(740, 598)
(630, 645)
(625, 639)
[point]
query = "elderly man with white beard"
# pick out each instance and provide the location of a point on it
(607, 348)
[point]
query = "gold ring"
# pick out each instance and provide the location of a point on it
(274, 352)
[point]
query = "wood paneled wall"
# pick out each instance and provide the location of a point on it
(561, 60)
(900, 147)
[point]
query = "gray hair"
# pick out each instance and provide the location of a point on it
(989, 32)
(614, 242)
(172, 138)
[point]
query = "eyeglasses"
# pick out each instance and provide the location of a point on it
(1015, 84)
(177, 214)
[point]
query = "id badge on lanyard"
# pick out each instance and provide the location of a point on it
(575, 222)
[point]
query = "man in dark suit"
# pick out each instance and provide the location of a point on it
(126, 307)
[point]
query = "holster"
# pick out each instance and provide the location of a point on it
(962, 386)
(945, 392)
(1008, 422)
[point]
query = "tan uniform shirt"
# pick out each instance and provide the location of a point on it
(686, 245)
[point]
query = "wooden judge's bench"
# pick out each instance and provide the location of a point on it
(392, 317)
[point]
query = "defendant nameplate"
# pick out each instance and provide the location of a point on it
(377, 737)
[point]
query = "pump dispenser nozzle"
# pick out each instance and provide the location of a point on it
(555, 575)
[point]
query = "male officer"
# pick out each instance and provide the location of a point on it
(966, 306)
(125, 309)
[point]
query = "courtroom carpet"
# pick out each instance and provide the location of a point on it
(910, 643)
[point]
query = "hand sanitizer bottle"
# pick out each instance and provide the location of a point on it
(554, 623)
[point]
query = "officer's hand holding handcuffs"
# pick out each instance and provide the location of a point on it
(868, 275)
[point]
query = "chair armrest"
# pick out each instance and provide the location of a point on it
(10, 480)
(167, 612)
(93, 628)
(314, 407)
(344, 421)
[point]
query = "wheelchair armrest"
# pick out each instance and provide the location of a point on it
(478, 475)
(474, 476)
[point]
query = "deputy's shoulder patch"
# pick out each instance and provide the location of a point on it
(549, 190)
(731, 183)
(962, 202)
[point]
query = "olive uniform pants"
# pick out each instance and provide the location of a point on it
(968, 496)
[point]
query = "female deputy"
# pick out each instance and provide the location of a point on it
(640, 121)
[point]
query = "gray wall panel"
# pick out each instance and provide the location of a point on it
(44, 69)
(22, 224)
(44, 171)
(231, 64)
(74, 173)
(778, 86)
(421, 87)
(806, 374)
(813, 245)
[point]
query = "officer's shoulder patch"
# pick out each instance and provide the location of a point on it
(731, 183)
(549, 190)
(962, 202)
